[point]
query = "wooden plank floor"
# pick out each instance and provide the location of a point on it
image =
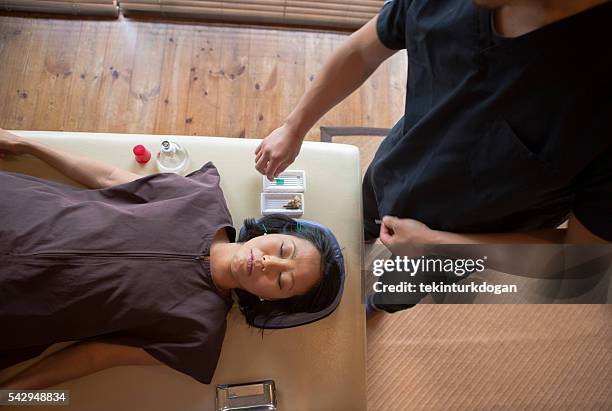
(173, 77)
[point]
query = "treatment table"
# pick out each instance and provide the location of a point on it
(319, 366)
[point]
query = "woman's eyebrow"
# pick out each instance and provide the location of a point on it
(294, 249)
(293, 257)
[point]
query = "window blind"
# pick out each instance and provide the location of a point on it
(76, 7)
(331, 13)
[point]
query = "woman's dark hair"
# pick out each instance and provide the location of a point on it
(319, 297)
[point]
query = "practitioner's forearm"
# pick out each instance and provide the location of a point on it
(344, 71)
(511, 253)
(69, 363)
(89, 172)
(510, 257)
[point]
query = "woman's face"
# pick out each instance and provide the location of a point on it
(277, 266)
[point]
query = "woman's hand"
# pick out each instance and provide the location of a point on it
(12, 144)
(404, 231)
(277, 151)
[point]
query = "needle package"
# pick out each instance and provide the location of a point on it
(285, 194)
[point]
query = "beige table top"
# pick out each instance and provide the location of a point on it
(320, 366)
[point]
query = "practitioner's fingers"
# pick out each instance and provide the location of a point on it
(258, 155)
(390, 222)
(282, 167)
(262, 164)
(272, 167)
(386, 230)
(273, 171)
(385, 235)
(258, 149)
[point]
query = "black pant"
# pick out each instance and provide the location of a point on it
(370, 209)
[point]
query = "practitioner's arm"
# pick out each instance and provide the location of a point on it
(407, 231)
(76, 361)
(413, 238)
(89, 172)
(345, 70)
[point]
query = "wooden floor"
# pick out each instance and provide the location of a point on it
(172, 77)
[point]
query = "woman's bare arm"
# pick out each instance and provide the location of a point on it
(89, 172)
(76, 361)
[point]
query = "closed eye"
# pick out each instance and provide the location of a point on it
(281, 249)
(279, 281)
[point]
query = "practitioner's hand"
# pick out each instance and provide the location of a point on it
(11, 144)
(277, 151)
(398, 231)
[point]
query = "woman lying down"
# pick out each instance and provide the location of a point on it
(139, 270)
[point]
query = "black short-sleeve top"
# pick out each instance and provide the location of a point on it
(125, 264)
(499, 134)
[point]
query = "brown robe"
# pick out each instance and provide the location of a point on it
(121, 264)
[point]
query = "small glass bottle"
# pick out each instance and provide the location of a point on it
(172, 158)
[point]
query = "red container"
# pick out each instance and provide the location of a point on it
(142, 154)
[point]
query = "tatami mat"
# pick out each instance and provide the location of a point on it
(491, 357)
(488, 357)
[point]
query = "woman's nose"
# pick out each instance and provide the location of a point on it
(273, 263)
